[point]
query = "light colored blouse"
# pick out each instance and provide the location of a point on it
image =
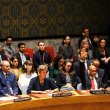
(24, 81)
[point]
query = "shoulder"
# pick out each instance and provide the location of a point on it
(49, 80)
(34, 78)
(17, 54)
(101, 70)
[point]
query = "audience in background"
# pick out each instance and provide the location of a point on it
(90, 70)
(56, 67)
(21, 56)
(26, 76)
(2, 55)
(102, 53)
(41, 57)
(85, 35)
(8, 48)
(15, 69)
(95, 41)
(66, 50)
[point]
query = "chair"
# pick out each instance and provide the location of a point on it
(30, 52)
(51, 51)
(79, 86)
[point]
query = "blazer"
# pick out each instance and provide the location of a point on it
(102, 75)
(80, 70)
(20, 60)
(3, 85)
(66, 52)
(77, 67)
(34, 84)
(61, 80)
(37, 59)
(88, 82)
(3, 56)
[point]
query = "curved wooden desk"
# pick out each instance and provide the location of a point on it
(81, 102)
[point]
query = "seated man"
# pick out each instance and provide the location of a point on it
(8, 83)
(92, 82)
(41, 84)
(100, 72)
(21, 56)
(82, 65)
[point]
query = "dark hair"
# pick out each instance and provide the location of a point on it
(40, 42)
(9, 37)
(64, 39)
(12, 59)
(56, 61)
(65, 62)
(20, 44)
(27, 62)
(102, 39)
(82, 50)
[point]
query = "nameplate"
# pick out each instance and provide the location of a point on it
(22, 99)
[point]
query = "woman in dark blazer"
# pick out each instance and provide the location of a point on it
(67, 79)
(41, 84)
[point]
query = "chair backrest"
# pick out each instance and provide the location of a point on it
(79, 86)
(51, 51)
(30, 52)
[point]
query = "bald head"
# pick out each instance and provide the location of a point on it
(92, 70)
(5, 66)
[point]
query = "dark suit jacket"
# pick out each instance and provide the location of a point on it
(80, 71)
(3, 56)
(37, 59)
(66, 52)
(20, 60)
(102, 76)
(34, 84)
(88, 82)
(61, 80)
(3, 86)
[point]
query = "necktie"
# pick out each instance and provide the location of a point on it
(12, 52)
(23, 58)
(9, 88)
(92, 84)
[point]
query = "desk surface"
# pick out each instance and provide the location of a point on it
(74, 102)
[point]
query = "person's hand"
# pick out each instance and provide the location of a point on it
(103, 59)
(108, 88)
(106, 61)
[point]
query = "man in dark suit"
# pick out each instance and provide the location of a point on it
(100, 72)
(8, 83)
(92, 82)
(22, 57)
(41, 56)
(82, 65)
(85, 35)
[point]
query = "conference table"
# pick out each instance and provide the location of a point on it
(80, 100)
